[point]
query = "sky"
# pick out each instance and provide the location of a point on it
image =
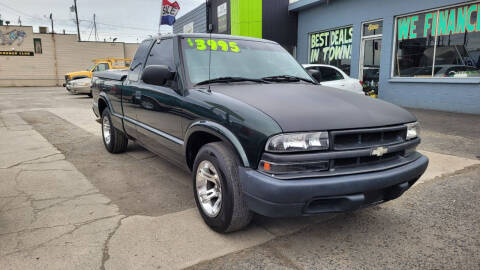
(128, 21)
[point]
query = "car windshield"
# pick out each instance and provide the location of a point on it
(91, 67)
(237, 59)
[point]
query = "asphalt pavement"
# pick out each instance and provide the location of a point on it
(65, 203)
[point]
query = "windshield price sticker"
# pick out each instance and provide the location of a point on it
(214, 45)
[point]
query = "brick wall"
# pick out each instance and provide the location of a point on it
(60, 54)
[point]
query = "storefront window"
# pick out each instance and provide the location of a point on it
(372, 28)
(332, 47)
(439, 43)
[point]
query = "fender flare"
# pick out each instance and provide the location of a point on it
(220, 131)
(105, 98)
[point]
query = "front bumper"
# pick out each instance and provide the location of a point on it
(78, 89)
(273, 197)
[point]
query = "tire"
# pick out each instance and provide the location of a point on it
(233, 214)
(118, 141)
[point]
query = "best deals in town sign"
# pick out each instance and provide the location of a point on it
(441, 22)
(331, 45)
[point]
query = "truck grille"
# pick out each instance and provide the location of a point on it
(355, 151)
(342, 163)
(367, 138)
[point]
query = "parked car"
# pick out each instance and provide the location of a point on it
(257, 132)
(98, 65)
(80, 86)
(332, 76)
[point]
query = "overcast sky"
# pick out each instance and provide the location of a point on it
(128, 21)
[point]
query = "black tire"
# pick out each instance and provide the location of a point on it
(234, 214)
(118, 140)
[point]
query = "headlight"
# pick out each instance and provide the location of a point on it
(295, 142)
(413, 130)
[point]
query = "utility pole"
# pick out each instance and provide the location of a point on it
(55, 63)
(95, 26)
(76, 17)
(51, 20)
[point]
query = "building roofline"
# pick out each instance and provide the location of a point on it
(207, 35)
(304, 4)
(191, 11)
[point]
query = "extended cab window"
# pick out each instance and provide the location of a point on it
(162, 54)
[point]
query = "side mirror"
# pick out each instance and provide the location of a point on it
(157, 74)
(317, 75)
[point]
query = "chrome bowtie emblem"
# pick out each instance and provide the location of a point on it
(379, 151)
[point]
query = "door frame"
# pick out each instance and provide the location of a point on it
(362, 46)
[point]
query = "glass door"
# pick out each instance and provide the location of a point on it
(370, 53)
(370, 68)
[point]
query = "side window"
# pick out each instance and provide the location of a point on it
(316, 75)
(162, 54)
(134, 75)
(101, 67)
(141, 54)
(330, 74)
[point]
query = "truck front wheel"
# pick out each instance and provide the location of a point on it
(217, 189)
(114, 140)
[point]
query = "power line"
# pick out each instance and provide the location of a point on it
(62, 22)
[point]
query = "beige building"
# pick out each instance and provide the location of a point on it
(36, 59)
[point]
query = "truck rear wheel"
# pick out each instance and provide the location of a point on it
(114, 140)
(217, 189)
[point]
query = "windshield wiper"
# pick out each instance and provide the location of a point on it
(231, 79)
(287, 78)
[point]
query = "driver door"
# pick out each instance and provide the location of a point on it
(159, 111)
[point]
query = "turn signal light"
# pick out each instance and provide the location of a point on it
(286, 168)
(266, 166)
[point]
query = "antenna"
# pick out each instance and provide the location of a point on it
(210, 47)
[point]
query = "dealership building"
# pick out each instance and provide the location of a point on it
(421, 54)
(268, 19)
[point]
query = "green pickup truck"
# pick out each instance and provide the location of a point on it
(257, 132)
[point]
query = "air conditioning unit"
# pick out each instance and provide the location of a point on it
(42, 29)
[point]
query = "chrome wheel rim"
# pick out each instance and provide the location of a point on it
(106, 130)
(209, 188)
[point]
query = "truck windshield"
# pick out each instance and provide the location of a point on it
(237, 59)
(91, 67)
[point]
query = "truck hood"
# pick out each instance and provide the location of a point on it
(305, 107)
(78, 73)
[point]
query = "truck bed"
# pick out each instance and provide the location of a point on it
(117, 75)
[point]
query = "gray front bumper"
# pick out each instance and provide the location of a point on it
(273, 197)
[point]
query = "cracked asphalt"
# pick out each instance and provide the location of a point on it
(65, 203)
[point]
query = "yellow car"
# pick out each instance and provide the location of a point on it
(98, 65)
